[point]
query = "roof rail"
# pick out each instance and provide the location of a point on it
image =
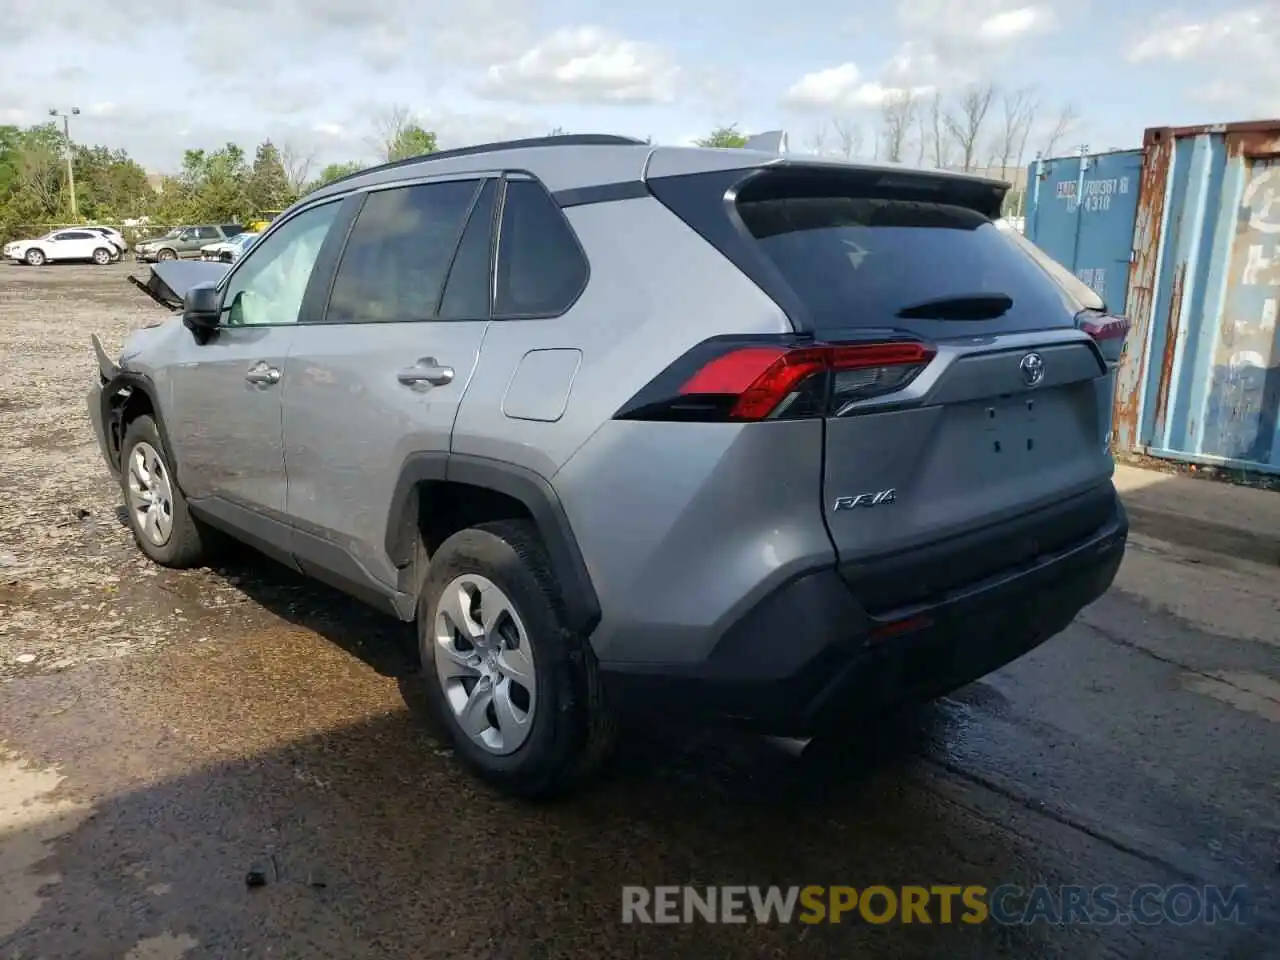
(559, 140)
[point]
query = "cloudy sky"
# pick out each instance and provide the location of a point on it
(156, 78)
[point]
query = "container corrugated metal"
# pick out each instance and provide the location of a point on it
(1094, 238)
(1199, 379)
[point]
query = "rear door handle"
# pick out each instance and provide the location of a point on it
(426, 372)
(260, 372)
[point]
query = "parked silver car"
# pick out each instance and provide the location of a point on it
(620, 427)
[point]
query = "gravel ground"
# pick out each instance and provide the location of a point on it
(73, 587)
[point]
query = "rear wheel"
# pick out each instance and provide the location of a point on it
(102, 256)
(515, 690)
(35, 258)
(158, 516)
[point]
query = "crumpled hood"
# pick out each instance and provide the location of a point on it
(170, 281)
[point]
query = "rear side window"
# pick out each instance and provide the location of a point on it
(470, 285)
(541, 269)
(867, 261)
(399, 251)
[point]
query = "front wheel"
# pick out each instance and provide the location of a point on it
(514, 689)
(102, 256)
(162, 525)
(166, 254)
(35, 258)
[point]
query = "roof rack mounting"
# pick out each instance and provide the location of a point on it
(558, 140)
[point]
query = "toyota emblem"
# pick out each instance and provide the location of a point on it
(1032, 368)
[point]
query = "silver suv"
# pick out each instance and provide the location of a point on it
(753, 438)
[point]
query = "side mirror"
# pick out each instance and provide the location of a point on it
(202, 310)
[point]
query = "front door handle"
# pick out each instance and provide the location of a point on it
(262, 373)
(426, 371)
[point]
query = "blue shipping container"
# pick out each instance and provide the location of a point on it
(1200, 375)
(1093, 239)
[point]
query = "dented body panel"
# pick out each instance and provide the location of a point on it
(1199, 379)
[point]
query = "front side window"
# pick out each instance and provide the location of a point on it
(269, 285)
(399, 251)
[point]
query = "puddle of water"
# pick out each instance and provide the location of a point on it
(1251, 692)
(30, 819)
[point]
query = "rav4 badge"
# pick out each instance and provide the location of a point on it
(877, 499)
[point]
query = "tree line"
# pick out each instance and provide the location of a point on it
(982, 127)
(224, 185)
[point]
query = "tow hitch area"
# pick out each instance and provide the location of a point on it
(169, 281)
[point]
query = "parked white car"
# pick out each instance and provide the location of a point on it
(115, 236)
(228, 251)
(62, 245)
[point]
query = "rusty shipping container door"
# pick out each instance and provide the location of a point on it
(1092, 238)
(1199, 380)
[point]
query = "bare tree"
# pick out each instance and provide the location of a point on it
(1019, 111)
(817, 141)
(922, 139)
(848, 138)
(965, 124)
(1067, 118)
(388, 130)
(297, 162)
(938, 133)
(897, 115)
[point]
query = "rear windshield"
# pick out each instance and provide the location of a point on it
(858, 261)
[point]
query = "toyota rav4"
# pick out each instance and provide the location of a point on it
(775, 441)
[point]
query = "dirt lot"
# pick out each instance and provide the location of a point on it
(163, 734)
(73, 588)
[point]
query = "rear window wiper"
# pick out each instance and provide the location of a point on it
(961, 306)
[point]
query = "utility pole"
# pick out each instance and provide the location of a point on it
(71, 173)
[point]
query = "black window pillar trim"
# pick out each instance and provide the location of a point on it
(582, 605)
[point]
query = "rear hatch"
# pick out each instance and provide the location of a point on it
(965, 410)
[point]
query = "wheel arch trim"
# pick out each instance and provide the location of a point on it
(582, 605)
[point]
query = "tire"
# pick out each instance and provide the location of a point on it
(166, 254)
(102, 256)
(184, 544)
(35, 258)
(570, 731)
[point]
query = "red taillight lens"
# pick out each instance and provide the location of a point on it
(766, 380)
(1106, 328)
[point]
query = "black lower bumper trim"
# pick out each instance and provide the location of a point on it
(808, 655)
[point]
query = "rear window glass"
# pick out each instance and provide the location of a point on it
(856, 261)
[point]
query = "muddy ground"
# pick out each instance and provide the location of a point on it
(164, 734)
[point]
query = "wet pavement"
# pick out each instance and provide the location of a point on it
(201, 726)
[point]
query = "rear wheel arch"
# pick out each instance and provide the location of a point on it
(473, 490)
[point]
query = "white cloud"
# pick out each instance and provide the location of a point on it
(583, 65)
(842, 88)
(1234, 31)
(966, 23)
(1230, 59)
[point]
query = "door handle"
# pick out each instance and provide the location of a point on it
(261, 373)
(426, 371)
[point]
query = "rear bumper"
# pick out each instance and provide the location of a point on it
(809, 655)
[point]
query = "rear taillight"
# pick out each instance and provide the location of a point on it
(772, 381)
(1106, 328)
